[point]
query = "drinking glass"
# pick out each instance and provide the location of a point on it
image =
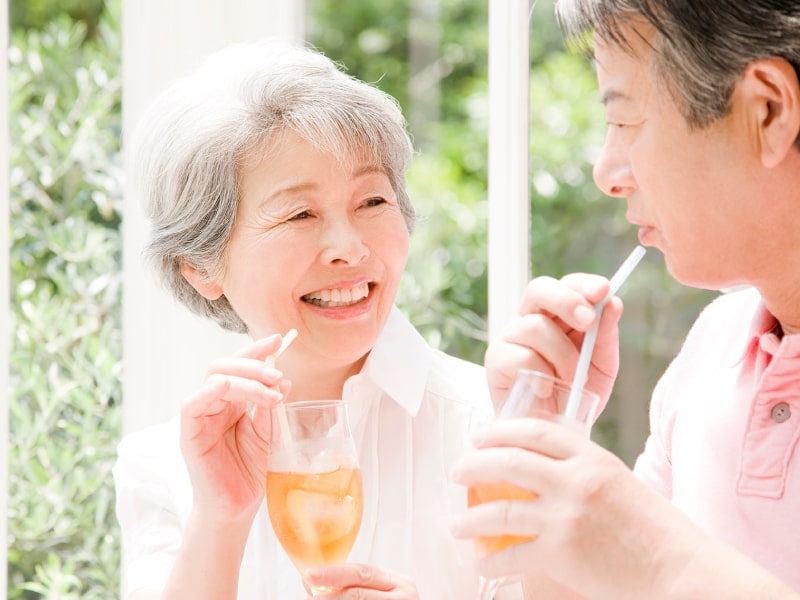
(314, 492)
(533, 395)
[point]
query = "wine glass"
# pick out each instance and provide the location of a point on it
(314, 492)
(538, 395)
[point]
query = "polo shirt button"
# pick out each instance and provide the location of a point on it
(781, 412)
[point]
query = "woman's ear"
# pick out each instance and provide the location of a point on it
(200, 281)
(772, 91)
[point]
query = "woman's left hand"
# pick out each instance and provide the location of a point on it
(362, 582)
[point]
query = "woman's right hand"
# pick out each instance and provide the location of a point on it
(546, 335)
(224, 448)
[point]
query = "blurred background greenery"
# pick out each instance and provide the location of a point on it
(66, 195)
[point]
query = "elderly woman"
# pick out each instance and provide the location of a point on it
(275, 188)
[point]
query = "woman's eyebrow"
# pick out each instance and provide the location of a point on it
(288, 190)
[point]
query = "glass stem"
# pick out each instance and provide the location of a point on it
(488, 588)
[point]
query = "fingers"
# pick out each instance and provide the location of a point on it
(219, 390)
(361, 576)
(244, 368)
(525, 453)
(261, 349)
(520, 518)
(547, 334)
(533, 341)
(605, 357)
(569, 300)
(243, 377)
(537, 435)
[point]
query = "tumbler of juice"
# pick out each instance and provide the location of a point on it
(313, 483)
(315, 516)
(532, 395)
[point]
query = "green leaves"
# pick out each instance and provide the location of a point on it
(65, 370)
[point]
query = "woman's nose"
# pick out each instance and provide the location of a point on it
(612, 171)
(343, 242)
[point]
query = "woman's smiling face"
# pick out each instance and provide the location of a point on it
(320, 245)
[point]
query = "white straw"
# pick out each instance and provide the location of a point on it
(585, 357)
(285, 341)
(283, 423)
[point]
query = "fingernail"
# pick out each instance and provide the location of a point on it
(479, 435)
(583, 315)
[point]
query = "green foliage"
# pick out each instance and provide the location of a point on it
(38, 14)
(65, 358)
(444, 289)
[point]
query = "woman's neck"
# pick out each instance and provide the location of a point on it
(323, 382)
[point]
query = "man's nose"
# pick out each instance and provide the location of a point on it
(612, 172)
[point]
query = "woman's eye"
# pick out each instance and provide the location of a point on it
(375, 202)
(300, 216)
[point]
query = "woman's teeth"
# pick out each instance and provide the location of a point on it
(338, 297)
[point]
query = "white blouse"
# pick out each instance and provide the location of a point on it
(409, 410)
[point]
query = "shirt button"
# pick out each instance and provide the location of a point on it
(781, 412)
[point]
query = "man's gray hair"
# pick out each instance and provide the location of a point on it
(193, 140)
(702, 47)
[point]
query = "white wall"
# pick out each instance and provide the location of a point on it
(166, 349)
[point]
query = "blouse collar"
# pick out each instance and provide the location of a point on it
(400, 362)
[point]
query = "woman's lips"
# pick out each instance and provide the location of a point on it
(339, 297)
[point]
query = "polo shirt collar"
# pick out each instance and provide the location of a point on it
(400, 362)
(762, 332)
(762, 322)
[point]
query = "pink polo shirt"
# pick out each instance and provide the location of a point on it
(725, 421)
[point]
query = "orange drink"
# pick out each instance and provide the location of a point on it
(539, 396)
(315, 516)
(314, 492)
(489, 492)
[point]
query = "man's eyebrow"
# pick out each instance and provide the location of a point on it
(612, 94)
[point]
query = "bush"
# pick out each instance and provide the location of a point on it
(65, 200)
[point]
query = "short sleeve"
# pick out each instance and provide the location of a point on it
(654, 466)
(715, 334)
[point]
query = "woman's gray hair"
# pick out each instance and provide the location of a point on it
(702, 47)
(193, 140)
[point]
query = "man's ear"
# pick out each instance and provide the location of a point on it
(200, 281)
(770, 88)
